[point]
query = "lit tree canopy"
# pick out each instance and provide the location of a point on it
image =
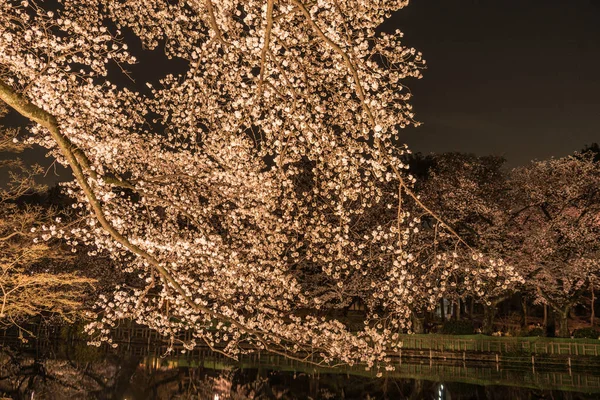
(556, 223)
(470, 194)
(217, 184)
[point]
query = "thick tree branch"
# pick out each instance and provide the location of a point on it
(265, 49)
(213, 22)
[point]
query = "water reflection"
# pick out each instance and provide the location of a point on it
(72, 370)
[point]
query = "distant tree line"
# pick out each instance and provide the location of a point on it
(542, 219)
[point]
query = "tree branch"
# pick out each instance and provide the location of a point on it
(265, 49)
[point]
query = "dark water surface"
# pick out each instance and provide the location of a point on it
(64, 367)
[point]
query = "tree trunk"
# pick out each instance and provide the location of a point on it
(429, 317)
(489, 313)
(457, 313)
(563, 322)
(418, 323)
(442, 310)
(525, 321)
(593, 316)
(471, 308)
(550, 324)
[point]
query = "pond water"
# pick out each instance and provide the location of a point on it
(65, 368)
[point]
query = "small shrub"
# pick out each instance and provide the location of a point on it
(535, 332)
(586, 333)
(457, 328)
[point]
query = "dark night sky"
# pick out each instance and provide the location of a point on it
(519, 78)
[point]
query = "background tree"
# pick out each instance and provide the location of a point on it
(556, 221)
(470, 193)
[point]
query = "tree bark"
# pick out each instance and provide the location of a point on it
(472, 308)
(489, 313)
(562, 317)
(442, 310)
(593, 305)
(550, 325)
(418, 323)
(525, 321)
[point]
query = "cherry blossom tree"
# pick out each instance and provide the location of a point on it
(470, 193)
(219, 184)
(557, 225)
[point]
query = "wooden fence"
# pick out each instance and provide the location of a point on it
(502, 345)
(131, 334)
